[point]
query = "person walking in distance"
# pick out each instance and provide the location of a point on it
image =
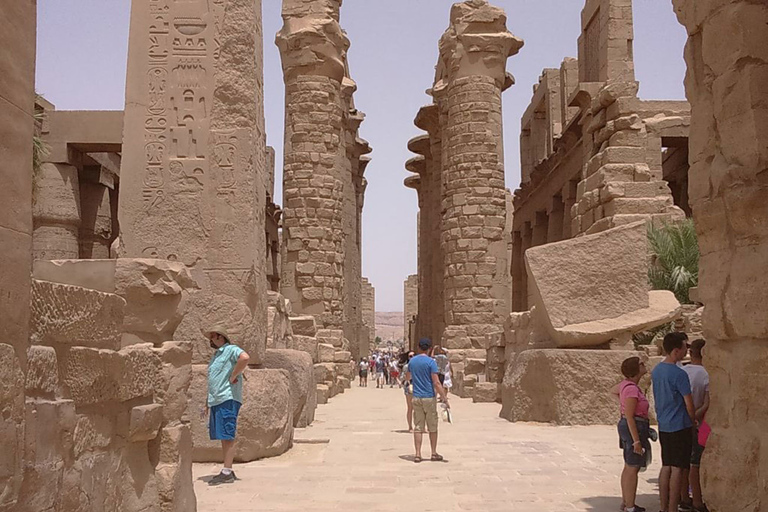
(699, 378)
(408, 390)
(380, 367)
(225, 396)
(422, 372)
(363, 372)
(675, 413)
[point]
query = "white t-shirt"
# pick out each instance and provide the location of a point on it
(699, 378)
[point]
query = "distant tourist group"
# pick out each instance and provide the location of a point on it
(681, 395)
(423, 376)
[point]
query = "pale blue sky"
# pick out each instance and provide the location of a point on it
(82, 51)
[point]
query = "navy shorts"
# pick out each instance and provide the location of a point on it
(222, 423)
(625, 442)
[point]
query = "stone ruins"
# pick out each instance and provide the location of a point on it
(136, 230)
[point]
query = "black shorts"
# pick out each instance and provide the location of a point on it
(698, 450)
(441, 378)
(676, 448)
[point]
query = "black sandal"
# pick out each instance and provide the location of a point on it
(436, 458)
(417, 459)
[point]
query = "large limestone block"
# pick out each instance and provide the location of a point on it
(265, 424)
(70, 315)
(174, 471)
(144, 422)
(486, 392)
(326, 353)
(304, 325)
(11, 426)
(174, 379)
(42, 371)
(155, 292)
(301, 374)
(324, 372)
(95, 376)
(590, 290)
(306, 344)
(591, 277)
(564, 387)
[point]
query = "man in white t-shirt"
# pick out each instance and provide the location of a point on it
(699, 378)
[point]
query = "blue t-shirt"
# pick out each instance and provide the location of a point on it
(220, 369)
(422, 367)
(670, 385)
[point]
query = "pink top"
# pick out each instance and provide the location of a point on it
(628, 389)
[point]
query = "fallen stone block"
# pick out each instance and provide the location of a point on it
(304, 343)
(69, 315)
(342, 356)
(564, 387)
(304, 325)
(42, 370)
(486, 392)
(322, 393)
(326, 353)
(265, 423)
(144, 422)
(301, 374)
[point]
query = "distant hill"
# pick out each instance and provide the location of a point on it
(389, 325)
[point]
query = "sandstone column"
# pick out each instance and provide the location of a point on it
(313, 46)
(193, 165)
(727, 87)
(56, 210)
(17, 99)
(473, 55)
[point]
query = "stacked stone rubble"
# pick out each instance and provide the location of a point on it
(471, 75)
(323, 184)
(726, 85)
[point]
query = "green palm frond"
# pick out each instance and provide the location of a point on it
(675, 258)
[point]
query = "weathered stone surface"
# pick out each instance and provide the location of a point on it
(155, 292)
(564, 387)
(279, 329)
(323, 393)
(198, 194)
(96, 275)
(342, 356)
(725, 83)
(306, 344)
(324, 372)
(301, 374)
(174, 472)
(592, 277)
(70, 315)
(265, 423)
(11, 426)
(145, 421)
(174, 379)
(42, 370)
(486, 392)
(304, 325)
(95, 376)
(326, 353)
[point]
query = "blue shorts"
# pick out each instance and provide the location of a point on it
(625, 442)
(222, 423)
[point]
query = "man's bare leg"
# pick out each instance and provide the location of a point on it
(695, 477)
(433, 442)
(417, 438)
(228, 447)
(684, 483)
(675, 479)
(664, 475)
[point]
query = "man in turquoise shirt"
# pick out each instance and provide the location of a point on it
(225, 396)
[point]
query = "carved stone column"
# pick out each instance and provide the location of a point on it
(56, 210)
(313, 47)
(194, 158)
(473, 55)
(726, 86)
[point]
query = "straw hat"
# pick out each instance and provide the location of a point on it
(219, 329)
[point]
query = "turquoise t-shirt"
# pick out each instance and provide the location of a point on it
(220, 369)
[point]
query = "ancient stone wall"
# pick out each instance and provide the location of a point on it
(726, 85)
(17, 99)
(194, 159)
(591, 150)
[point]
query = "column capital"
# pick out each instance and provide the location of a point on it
(311, 41)
(477, 42)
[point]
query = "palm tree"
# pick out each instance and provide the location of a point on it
(39, 148)
(675, 258)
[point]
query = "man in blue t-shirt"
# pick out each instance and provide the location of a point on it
(422, 372)
(225, 396)
(675, 413)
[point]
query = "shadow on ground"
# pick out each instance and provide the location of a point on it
(613, 503)
(425, 460)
